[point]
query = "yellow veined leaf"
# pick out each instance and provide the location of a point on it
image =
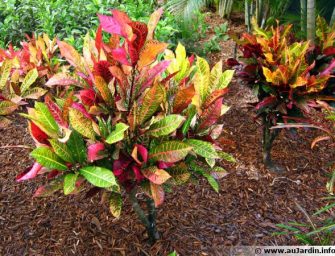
(183, 99)
(216, 73)
(69, 185)
(166, 125)
(225, 79)
(81, 123)
(103, 89)
(115, 204)
(202, 79)
(202, 148)
(29, 79)
(149, 52)
(99, 176)
(5, 72)
(170, 151)
(153, 21)
(34, 93)
(7, 107)
(117, 134)
(151, 102)
(300, 81)
(268, 74)
(180, 173)
(47, 158)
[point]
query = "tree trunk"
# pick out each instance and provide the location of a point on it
(311, 20)
(268, 138)
(247, 14)
(149, 220)
(303, 16)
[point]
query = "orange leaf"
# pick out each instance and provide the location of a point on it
(155, 175)
(154, 18)
(183, 99)
(149, 52)
(102, 87)
(157, 193)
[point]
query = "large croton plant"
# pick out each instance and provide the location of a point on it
(287, 76)
(143, 120)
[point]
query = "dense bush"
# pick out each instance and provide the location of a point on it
(138, 122)
(283, 73)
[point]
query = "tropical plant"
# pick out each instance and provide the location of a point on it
(279, 70)
(23, 72)
(140, 124)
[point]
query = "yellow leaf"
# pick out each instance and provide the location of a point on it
(149, 52)
(81, 123)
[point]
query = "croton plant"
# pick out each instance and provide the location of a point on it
(282, 71)
(23, 73)
(144, 119)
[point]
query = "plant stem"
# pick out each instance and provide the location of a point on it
(149, 221)
(131, 89)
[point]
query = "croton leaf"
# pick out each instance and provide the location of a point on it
(69, 185)
(225, 79)
(117, 134)
(200, 170)
(183, 98)
(55, 111)
(45, 118)
(180, 173)
(157, 193)
(202, 148)
(47, 158)
(99, 176)
(120, 55)
(77, 145)
(170, 151)
(29, 79)
(166, 125)
(5, 72)
(154, 72)
(226, 156)
(115, 204)
(81, 123)
(62, 79)
(153, 21)
(7, 107)
(34, 93)
(49, 189)
(218, 172)
(72, 56)
(62, 150)
(149, 53)
(210, 115)
(30, 173)
(37, 134)
(151, 101)
(156, 175)
(202, 80)
(95, 151)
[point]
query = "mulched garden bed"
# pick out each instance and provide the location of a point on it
(194, 220)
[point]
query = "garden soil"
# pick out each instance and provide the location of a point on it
(194, 220)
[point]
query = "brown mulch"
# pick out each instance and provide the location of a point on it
(194, 220)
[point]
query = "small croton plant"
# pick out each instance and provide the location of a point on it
(281, 71)
(24, 72)
(142, 121)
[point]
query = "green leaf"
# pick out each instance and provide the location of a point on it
(117, 134)
(45, 118)
(225, 79)
(81, 123)
(202, 79)
(47, 158)
(70, 183)
(166, 125)
(115, 204)
(210, 162)
(151, 101)
(34, 93)
(171, 151)
(77, 145)
(99, 176)
(62, 150)
(226, 156)
(29, 79)
(200, 170)
(191, 113)
(202, 148)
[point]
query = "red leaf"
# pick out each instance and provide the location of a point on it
(191, 59)
(95, 152)
(210, 115)
(138, 175)
(164, 165)
(98, 40)
(154, 72)
(101, 68)
(141, 31)
(82, 109)
(29, 173)
(329, 51)
(88, 97)
(120, 55)
(53, 174)
(141, 151)
(55, 111)
(266, 102)
(37, 134)
(232, 62)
